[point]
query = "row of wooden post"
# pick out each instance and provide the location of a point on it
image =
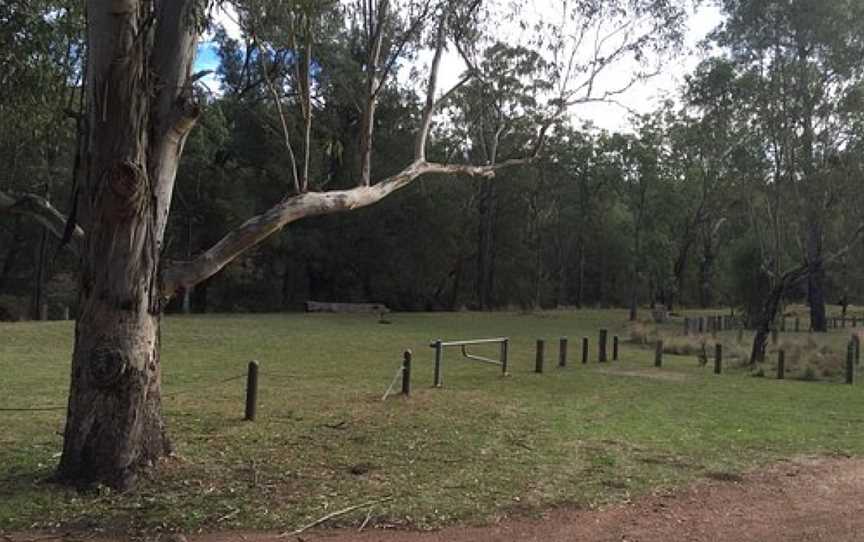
(709, 324)
(853, 359)
(539, 359)
(713, 324)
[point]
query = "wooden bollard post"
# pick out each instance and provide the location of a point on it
(562, 352)
(658, 354)
(718, 358)
(601, 358)
(857, 341)
(439, 355)
(584, 350)
(538, 364)
(850, 363)
(505, 347)
(615, 348)
(406, 372)
(251, 391)
(781, 364)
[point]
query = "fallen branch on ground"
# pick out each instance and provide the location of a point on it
(335, 514)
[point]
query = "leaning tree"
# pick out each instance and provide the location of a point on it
(140, 106)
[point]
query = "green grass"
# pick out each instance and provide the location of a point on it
(482, 447)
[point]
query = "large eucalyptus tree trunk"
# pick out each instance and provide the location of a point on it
(139, 111)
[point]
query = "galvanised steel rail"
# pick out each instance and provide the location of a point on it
(440, 345)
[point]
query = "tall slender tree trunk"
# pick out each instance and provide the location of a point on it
(139, 112)
(37, 298)
(486, 245)
(580, 271)
(12, 254)
(816, 278)
(706, 277)
(635, 274)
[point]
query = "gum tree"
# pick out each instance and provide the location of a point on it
(139, 109)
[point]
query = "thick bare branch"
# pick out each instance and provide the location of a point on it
(376, 20)
(174, 110)
(42, 211)
(183, 275)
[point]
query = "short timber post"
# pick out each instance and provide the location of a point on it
(505, 347)
(406, 373)
(781, 364)
(439, 354)
(562, 352)
(850, 363)
(718, 359)
(658, 354)
(602, 346)
(251, 391)
(584, 350)
(857, 341)
(615, 348)
(538, 364)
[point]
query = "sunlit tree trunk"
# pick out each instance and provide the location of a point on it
(138, 117)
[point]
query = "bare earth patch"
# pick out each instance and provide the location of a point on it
(806, 499)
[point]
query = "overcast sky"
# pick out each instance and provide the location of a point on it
(642, 97)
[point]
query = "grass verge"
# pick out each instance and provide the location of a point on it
(480, 448)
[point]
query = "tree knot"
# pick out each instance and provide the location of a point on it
(107, 365)
(128, 184)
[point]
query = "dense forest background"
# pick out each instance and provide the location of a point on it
(754, 170)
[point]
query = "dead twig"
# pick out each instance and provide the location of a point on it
(366, 521)
(335, 514)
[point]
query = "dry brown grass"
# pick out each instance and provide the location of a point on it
(806, 359)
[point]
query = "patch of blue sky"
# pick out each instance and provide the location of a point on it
(208, 59)
(208, 56)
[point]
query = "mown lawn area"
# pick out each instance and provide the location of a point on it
(481, 447)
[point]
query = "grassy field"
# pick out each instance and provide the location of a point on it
(482, 447)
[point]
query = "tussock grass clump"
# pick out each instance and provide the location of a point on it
(642, 332)
(808, 360)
